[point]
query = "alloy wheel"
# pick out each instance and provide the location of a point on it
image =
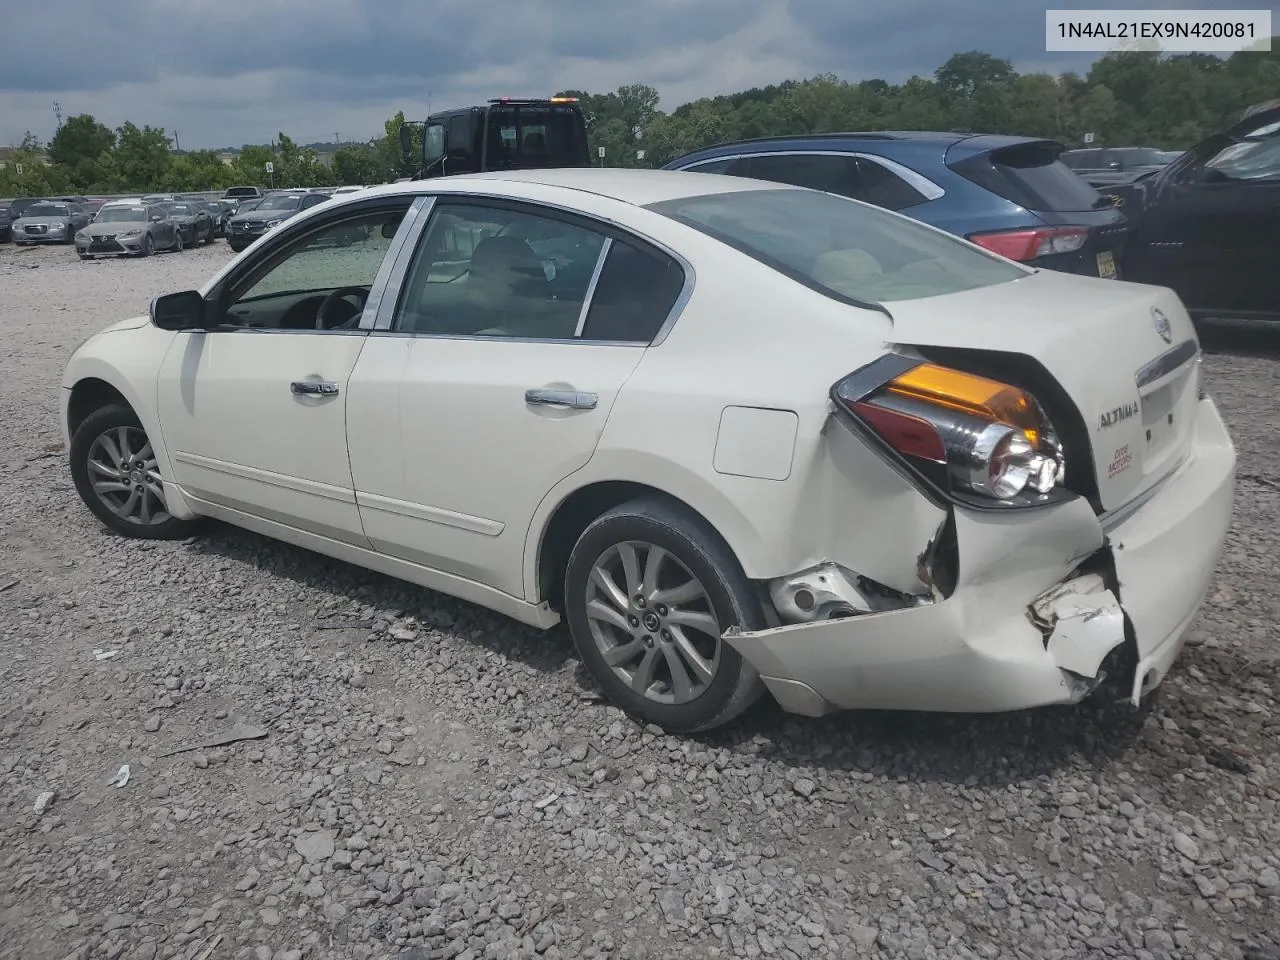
(125, 476)
(653, 622)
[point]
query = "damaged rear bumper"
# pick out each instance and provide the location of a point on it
(1042, 599)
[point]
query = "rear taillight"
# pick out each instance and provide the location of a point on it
(962, 433)
(1028, 244)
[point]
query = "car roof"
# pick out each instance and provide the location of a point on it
(638, 187)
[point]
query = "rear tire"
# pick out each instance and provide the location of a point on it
(116, 475)
(649, 589)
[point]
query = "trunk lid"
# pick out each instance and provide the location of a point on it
(1125, 354)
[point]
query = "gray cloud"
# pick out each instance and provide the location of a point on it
(229, 71)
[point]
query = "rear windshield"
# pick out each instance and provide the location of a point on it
(241, 192)
(847, 250)
(534, 137)
(1032, 176)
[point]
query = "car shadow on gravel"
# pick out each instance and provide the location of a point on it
(388, 596)
(962, 749)
(1240, 338)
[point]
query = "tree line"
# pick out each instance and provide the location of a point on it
(1129, 98)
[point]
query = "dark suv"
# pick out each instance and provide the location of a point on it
(1010, 195)
(1208, 224)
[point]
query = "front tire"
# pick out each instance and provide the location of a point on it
(178, 244)
(649, 590)
(147, 247)
(117, 476)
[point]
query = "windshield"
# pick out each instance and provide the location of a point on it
(848, 250)
(280, 202)
(120, 214)
(534, 137)
(182, 209)
(48, 210)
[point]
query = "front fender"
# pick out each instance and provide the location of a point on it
(128, 359)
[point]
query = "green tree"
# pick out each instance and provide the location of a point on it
(79, 148)
(356, 163)
(38, 177)
(142, 157)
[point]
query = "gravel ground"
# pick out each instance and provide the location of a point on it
(463, 794)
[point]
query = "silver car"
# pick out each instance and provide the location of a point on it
(129, 228)
(49, 221)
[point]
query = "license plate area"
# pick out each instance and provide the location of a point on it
(1107, 265)
(1165, 418)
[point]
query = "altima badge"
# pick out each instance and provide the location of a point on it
(1163, 327)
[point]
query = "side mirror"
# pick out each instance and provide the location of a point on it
(178, 311)
(406, 143)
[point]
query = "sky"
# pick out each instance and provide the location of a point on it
(228, 72)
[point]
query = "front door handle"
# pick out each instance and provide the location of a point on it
(573, 399)
(314, 388)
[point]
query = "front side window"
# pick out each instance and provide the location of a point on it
(854, 253)
(433, 142)
(287, 291)
(496, 272)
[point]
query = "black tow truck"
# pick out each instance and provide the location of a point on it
(507, 133)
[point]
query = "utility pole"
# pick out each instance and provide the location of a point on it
(177, 144)
(57, 114)
(336, 139)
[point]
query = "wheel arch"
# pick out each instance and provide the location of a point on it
(89, 394)
(571, 507)
(93, 381)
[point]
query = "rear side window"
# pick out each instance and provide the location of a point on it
(712, 166)
(884, 188)
(855, 177)
(634, 295)
(1032, 176)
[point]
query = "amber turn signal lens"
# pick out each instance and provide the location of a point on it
(969, 393)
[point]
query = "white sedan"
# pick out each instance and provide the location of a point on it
(738, 436)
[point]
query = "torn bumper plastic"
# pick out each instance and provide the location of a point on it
(1023, 628)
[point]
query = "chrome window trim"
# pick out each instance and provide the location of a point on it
(393, 265)
(399, 273)
(929, 189)
(591, 287)
(417, 335)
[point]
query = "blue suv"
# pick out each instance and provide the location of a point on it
(1011, 195)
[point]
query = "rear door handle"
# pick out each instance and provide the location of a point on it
(573, 399)
(314, 388)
